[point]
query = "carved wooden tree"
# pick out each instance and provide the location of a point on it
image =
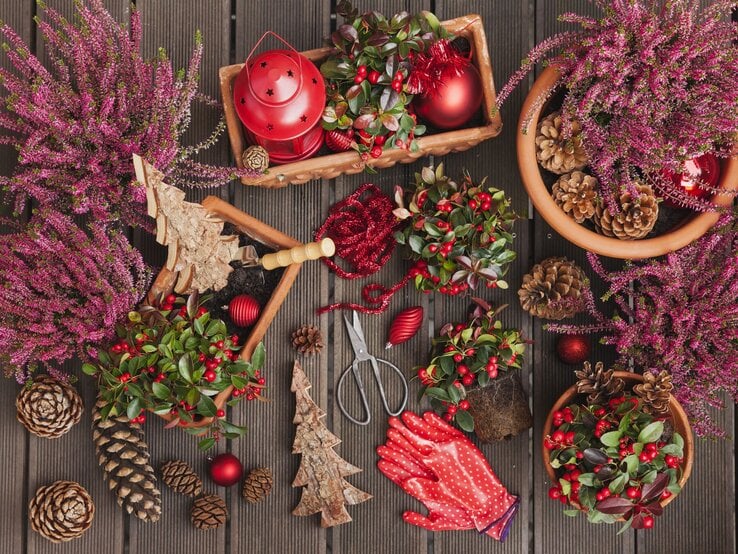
(322, 471)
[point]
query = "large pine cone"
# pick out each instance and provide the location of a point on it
(61, 511)
(48, 407)
(308, 340)
(554, 152)
(181, 478)
(636, 217)
(553, 289)
(209, 512)
(258, 484)
(599, 383)
(124, 456)
(576, 194)
(655, 392)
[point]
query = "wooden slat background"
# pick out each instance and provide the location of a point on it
(701, 520)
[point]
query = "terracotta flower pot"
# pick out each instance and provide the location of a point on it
(165, 280)
(540, 195)
(678, 417)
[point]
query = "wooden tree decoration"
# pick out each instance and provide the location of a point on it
(322, 471)
(197, 248)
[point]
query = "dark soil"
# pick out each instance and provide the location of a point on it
(500, 410)
(244, 280)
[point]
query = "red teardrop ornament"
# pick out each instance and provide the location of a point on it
(243, 310)
(338, 140)
(404, 326)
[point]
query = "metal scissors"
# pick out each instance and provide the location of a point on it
(358, 342)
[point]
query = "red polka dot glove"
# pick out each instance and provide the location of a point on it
(442, 468)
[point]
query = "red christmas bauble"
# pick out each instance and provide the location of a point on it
(404, 326)
(225, 470)
(339, 140)
(573, 349)
(455, 103)
(243, 310)
(702, 169)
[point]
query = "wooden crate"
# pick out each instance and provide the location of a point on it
(332, 165)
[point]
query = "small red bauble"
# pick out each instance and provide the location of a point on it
(573, 349)
(243, 310)
(456, 103)
(225, 469)
(404, 326)
(702, 169)
(338, 140)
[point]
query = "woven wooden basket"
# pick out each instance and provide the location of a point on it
(332, 165)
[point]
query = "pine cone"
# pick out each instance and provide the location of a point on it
(575, 193)
(209, 512)
(258, 484)
(124, 456)
(49, 407)
(635, 219)
(61, 511)
(556, 154)
(553, 289)
(655, 392)
(181, 478)
(256, 158)
(308, 340)
(598, 383)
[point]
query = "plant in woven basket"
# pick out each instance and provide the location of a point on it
(559, 152)
(553, 289)
(458, 232)
(124, 456)
(208, 512)
(678, 314)
(61, 511)
(576, 194)
(257, 485)
(367, 78)
(173, 358)
(614, 460)
(653, 84)
(48, 407)
(636, 216)
(308, 339)
(181, 478)
(466, 356)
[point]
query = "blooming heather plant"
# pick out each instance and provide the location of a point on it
(77, 123)
(682, 317)
(64, 289)
(652, 82)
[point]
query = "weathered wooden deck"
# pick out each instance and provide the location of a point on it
(702, 520)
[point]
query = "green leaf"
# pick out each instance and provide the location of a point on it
(239, 382)
(649, 477)
(89, 369)
(678, 440)
(257, 358)
(206, 444)
(587, 479)
(134, 408)
(465, 420)
(232, 428)
(199, 327)
(454, 394)
(192, 397)
(611, 439)
(207, 407)
(651, 432)
(617, 485)
(631, 462)
(440, 394)
(571, 513)
(160, 391)
(565, 486)
(415, 243)
(185, 367)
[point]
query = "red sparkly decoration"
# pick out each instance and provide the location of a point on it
(225, 469)
(405, 326)
(338, 140)
(433, 68)
(243, 310)
(456, 102)
(573, 349)
(699, 177)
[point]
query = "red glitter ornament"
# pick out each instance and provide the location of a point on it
(405, 326)
(338, 140)
(455, 103)
(702, 170)
(243, 310)
(225, 469)
(573, 349)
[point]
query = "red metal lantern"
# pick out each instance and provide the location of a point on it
(279, 97)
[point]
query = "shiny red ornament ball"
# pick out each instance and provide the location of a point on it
(404, 326)
(573, 349)
(339, 140)
(243, 310)
(702, 169)
(225, 470)
(455, 103)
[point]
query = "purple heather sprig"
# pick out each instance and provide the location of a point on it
(678, 314)
(64, 290)
(653, 83)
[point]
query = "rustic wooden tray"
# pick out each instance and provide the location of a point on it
(331, 165)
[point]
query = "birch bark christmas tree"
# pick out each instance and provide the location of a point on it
(322, 471)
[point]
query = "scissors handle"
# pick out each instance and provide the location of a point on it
(375, 367)
(353, 368)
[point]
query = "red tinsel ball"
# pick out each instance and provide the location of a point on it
(225, 469)
(404, 326)
(455, 103)
(573, 349)
(243, 310)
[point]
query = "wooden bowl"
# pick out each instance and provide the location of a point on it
(678, 417)
(575, 233)
(332, 165)
(257, 230)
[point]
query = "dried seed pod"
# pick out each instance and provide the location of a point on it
(209, 512)
(258, 484)
(636, 218)
(181, 478)
(61, 511)
(552, 289)
(576, 194)
(598, 383)
(49, 407)
(556, 153)
(308, 339)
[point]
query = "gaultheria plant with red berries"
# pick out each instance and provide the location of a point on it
(652, 82)
(63, 290)
(679, 315)
(174, 359)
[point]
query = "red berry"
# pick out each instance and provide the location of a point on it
(492, 373)
(170, 299)
(361, 70)
(379, 140)
(647, 522)
(558, 436)
(433, 248)
(457, 384)
(358, 79)
(633, 492)
(220, 413)
(554, 493)
(374, 76)
(448, 417)
(458, 358)
(201, 311)
(579, 455)
(464, 404)
(234, 340)
(462, 369)
(250, 396)
(376, 151)
(644, 457)
(261, 380)
(220, 344)
(209, 376)
(452, 409)
(399, 76)
(201, 357)
(397, 86)
(548, 443)
(236, 393)
(569, 438)
(473, 204)
(467, 380)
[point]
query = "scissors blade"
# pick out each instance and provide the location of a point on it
(356, 334)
